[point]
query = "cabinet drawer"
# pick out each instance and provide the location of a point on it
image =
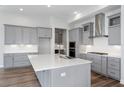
(21, 63)
(113, 59)
(114, 63)
(20, 57)
(114, 73)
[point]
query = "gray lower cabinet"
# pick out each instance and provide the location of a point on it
(104, 60)
(44, 32)
(105, 65)
(8, 61)
(99, 63)
(16, 60)
(71, 76)
(114, 67)
(83, 56)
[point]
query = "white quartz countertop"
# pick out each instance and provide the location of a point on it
(48, 61)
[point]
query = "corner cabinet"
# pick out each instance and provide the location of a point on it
(87, 35)
(114, 30)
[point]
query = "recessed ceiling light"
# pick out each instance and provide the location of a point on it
(48, 5)
(21, 9)
(75, 12)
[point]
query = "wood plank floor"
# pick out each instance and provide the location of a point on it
(25, 77)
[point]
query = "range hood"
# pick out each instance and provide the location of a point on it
(100, 25)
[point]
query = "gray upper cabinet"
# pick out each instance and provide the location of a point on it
(30, 35)
(114, 30)
(87, 35)
(9, 34)
(72, 35)
(33, 36)
(114, 35)
(8, 61)
(75, 35)
(20, 35)
(44, 32)
(26, 35)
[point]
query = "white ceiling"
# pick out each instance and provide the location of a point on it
(65, 11)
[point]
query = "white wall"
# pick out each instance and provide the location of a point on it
(100, 44)
(26, 20)
(122, 41)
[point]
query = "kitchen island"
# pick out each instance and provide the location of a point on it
(60, 71)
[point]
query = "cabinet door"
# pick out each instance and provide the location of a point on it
(73, 35)
(10, 34)
(86, 40)
(104, 65)
(8, 61)
(114, 35)
(21, 60)
(33, 36)
(44, 32)
(19, 33)
(44, 46)
(26, 35)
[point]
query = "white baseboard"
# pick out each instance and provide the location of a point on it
(1, 66)
(122, 82)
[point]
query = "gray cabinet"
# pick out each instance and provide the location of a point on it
(73, 35)
(10, 34)
(104, 60)
(71, 76)
(26, 35)
(20, 35)
(33, 36)
(114, 67)
(114, 30)
(87, 35)
(105, 65)
(99, 63)
(114, 35)
(16, 60)
(8, 61)
(30, 35)
(83, 56)
(44, 32)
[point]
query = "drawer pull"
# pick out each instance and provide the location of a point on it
(113, 65)
(112, 72)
